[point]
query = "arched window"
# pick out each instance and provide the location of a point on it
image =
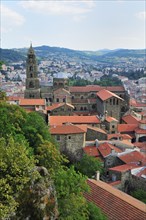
(81, 108)
(31, 68)
(57, 100)
(85, 108)
(72, 97)
(82, 97)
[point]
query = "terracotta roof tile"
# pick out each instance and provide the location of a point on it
(105, 94)
(105, 149)
(59, 120)
(96, 88)
(123, 168)
(91, 151)
(142, 121)
(23, 102)
(110, 119)
(140, 131)
(126, 127)
(66, 129)
(122, 136)
(132, 157)
(116, 204)
(130, 119)
(57, 105)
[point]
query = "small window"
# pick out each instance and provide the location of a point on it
(81, 108)
(58, 137)
(82, 97)
(72, 97)
(114, 101)
(69, 137)
(57, 100)
(113, 126)
(64, 99)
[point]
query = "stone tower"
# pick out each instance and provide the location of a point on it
(32, 90)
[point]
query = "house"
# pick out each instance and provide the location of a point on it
(140, 131)
(71, 140)
(109, 102)
(115, 204)
(91, 120)
(60, 109)
(130, 119)
(119, 137)
(33, 104)
(111, 124)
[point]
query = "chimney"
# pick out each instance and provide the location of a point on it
(96, 143)
(97, 176)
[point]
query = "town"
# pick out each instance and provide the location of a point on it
(105, 122)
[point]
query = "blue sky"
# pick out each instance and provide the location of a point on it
(79, 25)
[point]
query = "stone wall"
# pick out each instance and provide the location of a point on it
(92, 135)
(71, 145)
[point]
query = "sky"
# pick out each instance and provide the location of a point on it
(79, 25)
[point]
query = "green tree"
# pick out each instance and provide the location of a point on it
(139, 194)
(16, 172)
(88, 166)
(70, 186)
(95, 213)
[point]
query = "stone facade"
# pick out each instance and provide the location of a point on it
(71, 145)
(84, 99)
(93, 134)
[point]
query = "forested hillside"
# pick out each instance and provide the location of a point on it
(36, 181)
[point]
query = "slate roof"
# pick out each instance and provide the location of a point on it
(59, 120)
(116, 204)
(105, 94)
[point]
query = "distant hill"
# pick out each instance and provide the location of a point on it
(44, 52)
(11, 55)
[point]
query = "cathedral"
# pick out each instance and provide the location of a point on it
(80, 100)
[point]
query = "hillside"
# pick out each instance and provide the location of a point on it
(44, 52)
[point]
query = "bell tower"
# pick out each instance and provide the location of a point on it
(32, 90)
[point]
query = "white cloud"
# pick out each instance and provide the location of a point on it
(10, 19)
(59, 7)
(141, 15)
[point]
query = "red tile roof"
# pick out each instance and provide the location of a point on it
(130, 119)
(122, 136)
(96, 88)
(105, 149)
(126, 127)
(116, 204)
(123, 168)
(110, 119)
(140, 131)
(23, 102)
(105, 94)
(142, 121)
(65, 129)
(59, 120)
(91, 151)
(132, 157)
(57, 105)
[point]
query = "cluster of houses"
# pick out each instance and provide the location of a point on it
(100, 122)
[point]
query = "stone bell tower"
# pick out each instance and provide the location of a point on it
(32, 90)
